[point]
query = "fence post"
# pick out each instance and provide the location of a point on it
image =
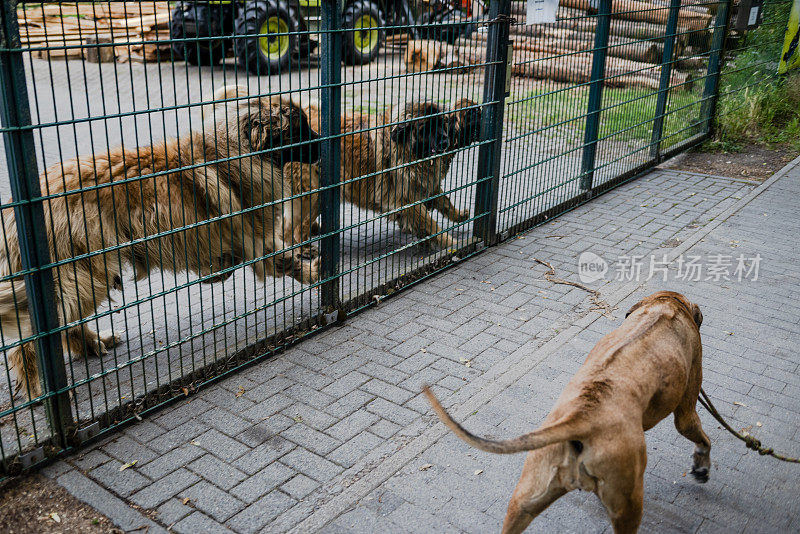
(711, 89)
(330, 78)
(595, 94)
(494, 99)
(29, 214)
(666, 74)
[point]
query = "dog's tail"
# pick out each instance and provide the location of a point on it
(570, 429)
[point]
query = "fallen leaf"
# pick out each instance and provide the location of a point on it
(240, 392)
(186, 500)
(195, 443)
(185, 391)
(129, 464)
(55, 517)
(478, 472)
(737, 403)
(298, 418)
(425, 467)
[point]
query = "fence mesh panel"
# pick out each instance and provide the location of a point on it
(191, 186)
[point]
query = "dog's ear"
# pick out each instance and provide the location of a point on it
(400, 133)
(633, 309)
(697, 315)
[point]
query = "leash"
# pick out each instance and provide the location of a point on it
(750, 441)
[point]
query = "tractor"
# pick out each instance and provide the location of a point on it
(270, 34)
(267, 36)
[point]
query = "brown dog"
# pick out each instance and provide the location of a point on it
(184, 215)
(593, 439)
(399, 168)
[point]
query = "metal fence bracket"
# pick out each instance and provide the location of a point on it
(30, 458)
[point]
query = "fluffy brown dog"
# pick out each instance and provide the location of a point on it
(399, 168)
(593, 439)
(185, 218)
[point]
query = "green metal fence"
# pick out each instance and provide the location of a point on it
(359, 146)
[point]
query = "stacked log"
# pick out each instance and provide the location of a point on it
(563, 50)
(121, 31)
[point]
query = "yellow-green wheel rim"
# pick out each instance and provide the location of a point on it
(365, 36)
(274, 46)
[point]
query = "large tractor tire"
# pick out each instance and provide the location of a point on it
(201, 20)
(363, 41)
(265, 39)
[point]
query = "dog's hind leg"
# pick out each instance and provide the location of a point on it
(538, 488)
(688, 424)
(618, 464)
(23, 360)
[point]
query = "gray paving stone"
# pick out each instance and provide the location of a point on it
(169, 462)
(124, 482)
(173, 511)
(264, 454)
(164, 488)
(90, 459)
(354, 449)
(220, 445)
(310, 439)
(198, 522)
(214, 502)
(262, 482)
(216, 471)
(261, 512)
(299, 486)
(311, 465)
(351, 425)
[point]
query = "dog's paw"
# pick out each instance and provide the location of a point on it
(461, 216)
(700, 474)
(307, 272)
(309, 252)
(109, 339)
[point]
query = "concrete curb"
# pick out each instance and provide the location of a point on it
(115, 509)
(345, 500)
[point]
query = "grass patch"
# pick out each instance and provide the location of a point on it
(767, 113)
(626, 115)
(756, 106)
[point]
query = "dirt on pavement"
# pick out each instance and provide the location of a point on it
(34, 503)
(752, 162)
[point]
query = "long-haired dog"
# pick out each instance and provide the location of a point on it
(202, 203)
(397, 165)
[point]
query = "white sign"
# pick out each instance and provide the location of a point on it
(753, 16)
(541, 11)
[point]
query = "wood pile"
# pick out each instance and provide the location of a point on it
(562, 51)
(100, 31)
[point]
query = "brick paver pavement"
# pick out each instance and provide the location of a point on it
(333, 434)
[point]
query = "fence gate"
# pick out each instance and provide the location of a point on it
(192, 186)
